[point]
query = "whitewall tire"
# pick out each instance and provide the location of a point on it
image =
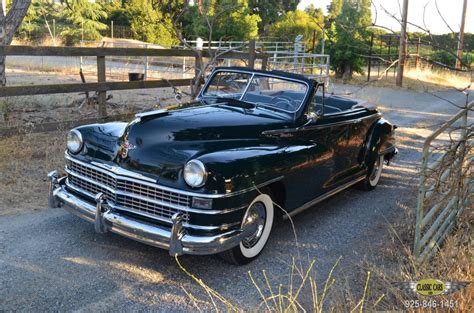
(258, 219)
(373, 177)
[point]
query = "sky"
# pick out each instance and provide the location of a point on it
(450, 9)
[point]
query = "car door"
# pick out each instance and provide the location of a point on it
(337, 132)
(324, 158)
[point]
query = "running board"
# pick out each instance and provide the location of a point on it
(322, 197)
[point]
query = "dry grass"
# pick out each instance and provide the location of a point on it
(25, 161)
(422, 79)
(452, 263)
(376, 291)
(439, 78)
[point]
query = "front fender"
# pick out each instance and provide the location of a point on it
(380, 140)
(241, 168)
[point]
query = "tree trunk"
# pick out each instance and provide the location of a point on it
(347, 72)
(9, 23)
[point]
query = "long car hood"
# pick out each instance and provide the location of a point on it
(159, 145)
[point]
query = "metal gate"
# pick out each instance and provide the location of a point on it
(282, 55)
(446, 182)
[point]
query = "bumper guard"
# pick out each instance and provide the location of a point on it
(105, 219)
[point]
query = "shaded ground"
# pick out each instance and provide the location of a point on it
(51, 260)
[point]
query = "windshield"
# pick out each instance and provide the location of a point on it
(274, 92)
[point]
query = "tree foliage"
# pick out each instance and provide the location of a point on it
(270, 11)
(34, 20)
(219, 19)
(81, 19)
(298, 22)
(351, 35)
(148, 24)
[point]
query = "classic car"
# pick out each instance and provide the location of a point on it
(212, 175)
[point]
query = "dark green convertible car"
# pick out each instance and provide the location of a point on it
(211, 176)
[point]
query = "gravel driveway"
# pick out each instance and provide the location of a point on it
(52, 260)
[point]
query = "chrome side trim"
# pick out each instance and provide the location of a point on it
(137, 178)
(323, 197)
(315, 127)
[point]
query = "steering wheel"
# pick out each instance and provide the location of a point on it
(283, 102)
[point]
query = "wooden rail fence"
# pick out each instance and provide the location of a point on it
(102, 86)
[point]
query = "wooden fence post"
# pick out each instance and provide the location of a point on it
(102, 94)
(417, 60)
(196, 82)
(369, 67)
(264, 63)
(252, 53)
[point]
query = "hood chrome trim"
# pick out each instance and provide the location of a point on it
(141, 115)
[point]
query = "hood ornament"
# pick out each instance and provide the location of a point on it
(125, 147)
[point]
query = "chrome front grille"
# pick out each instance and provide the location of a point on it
(153, 193)
(126, 194)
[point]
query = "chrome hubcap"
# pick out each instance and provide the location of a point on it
(255, 218)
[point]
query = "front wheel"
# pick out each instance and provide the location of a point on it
(259, 219)
(372, 178)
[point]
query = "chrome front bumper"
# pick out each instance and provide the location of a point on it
(176, 239)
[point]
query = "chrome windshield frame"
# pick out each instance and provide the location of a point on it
(253, 74)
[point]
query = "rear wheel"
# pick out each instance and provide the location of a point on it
(259, 219)
(373, 177)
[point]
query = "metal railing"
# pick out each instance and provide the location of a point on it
(262, 46)
(446, 182)
(311, 65)
(283, 55)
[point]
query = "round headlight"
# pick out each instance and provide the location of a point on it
(74, 141)
(195, 173)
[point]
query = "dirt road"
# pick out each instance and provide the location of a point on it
(52, 261)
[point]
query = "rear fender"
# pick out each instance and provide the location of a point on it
(380, 141)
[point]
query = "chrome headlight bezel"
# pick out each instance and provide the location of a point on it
(195, 167)
(74, 141)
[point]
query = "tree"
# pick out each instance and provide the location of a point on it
(270, 11)
(351, 36)
(40, 13)
(218, 19)
(298, 22)
(116, 12)
(148, 24)
(208, 18)
(81, 19)
(9, 23)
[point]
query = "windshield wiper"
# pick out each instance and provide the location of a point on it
(235, 102)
